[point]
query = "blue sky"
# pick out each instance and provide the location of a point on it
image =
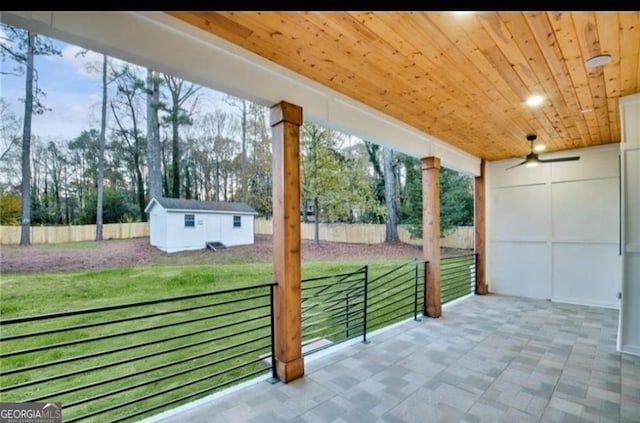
(72, 92)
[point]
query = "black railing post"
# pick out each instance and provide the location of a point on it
(346, 296)
(424, 287)
(274, 376)
(365, 310)
(415, 293)
(475, 257)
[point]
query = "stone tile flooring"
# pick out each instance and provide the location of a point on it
(488, 359)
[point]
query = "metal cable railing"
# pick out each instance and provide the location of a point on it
(457, 277)
(397, 294)
(125, 361)
(333, 309)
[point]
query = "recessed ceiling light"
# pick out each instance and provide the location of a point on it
(539, 147)
(535, 100)
(599, 60)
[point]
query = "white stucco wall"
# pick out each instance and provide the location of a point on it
(553, 230)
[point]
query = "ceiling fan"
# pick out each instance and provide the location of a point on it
(532, 158)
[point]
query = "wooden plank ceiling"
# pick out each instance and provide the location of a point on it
(463, 78)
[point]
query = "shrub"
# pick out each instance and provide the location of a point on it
(116, 208)
(10, 209)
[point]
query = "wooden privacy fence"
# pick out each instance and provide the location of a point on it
(61, 234)
(461, 237)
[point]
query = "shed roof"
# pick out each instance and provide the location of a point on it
(201, 205)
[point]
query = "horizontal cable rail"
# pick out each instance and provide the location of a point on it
(124, 362)
(120, 362)
(457, 277)
(396, 294)
(333, 309)
(350, 305)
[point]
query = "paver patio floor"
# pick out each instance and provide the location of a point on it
(488, 359)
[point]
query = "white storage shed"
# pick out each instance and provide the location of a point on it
(178, 225)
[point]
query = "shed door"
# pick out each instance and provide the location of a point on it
(212, 228)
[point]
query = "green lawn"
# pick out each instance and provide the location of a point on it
(33, 294)
(29, 294)
(194, 350)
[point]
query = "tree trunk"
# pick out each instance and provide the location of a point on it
(25, 238)
(225, 185)
(187, 183)
(378, 187)
(217, 179)
(316, 212)
(56, 191)
(139, 183)
(180, 93)
(175, 147)
(243, 164)
(67, 211)
(45, 194)
(390, 196)
(153, 136)
(165, 164)
(101, 144)
(305, 218)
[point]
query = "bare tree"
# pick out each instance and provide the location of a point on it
(153, 135)
(243, 107)
(25, 221)
(130, 88)
(101, 143)
(56, 164)
(9, 130)
(10, 133)
(93, 67)
(180, 91)
(22, 46)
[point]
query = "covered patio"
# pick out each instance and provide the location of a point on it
(489, 359)
(451, 90)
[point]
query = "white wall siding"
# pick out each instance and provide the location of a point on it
(158, 231)
(553, 230)
(516, 268)
(209, 227)
(629, 335)
(586, 273)
(180, 238)
(236, 236)
(521, 213)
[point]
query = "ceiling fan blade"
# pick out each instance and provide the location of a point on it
(560, 159)
(519, 164)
